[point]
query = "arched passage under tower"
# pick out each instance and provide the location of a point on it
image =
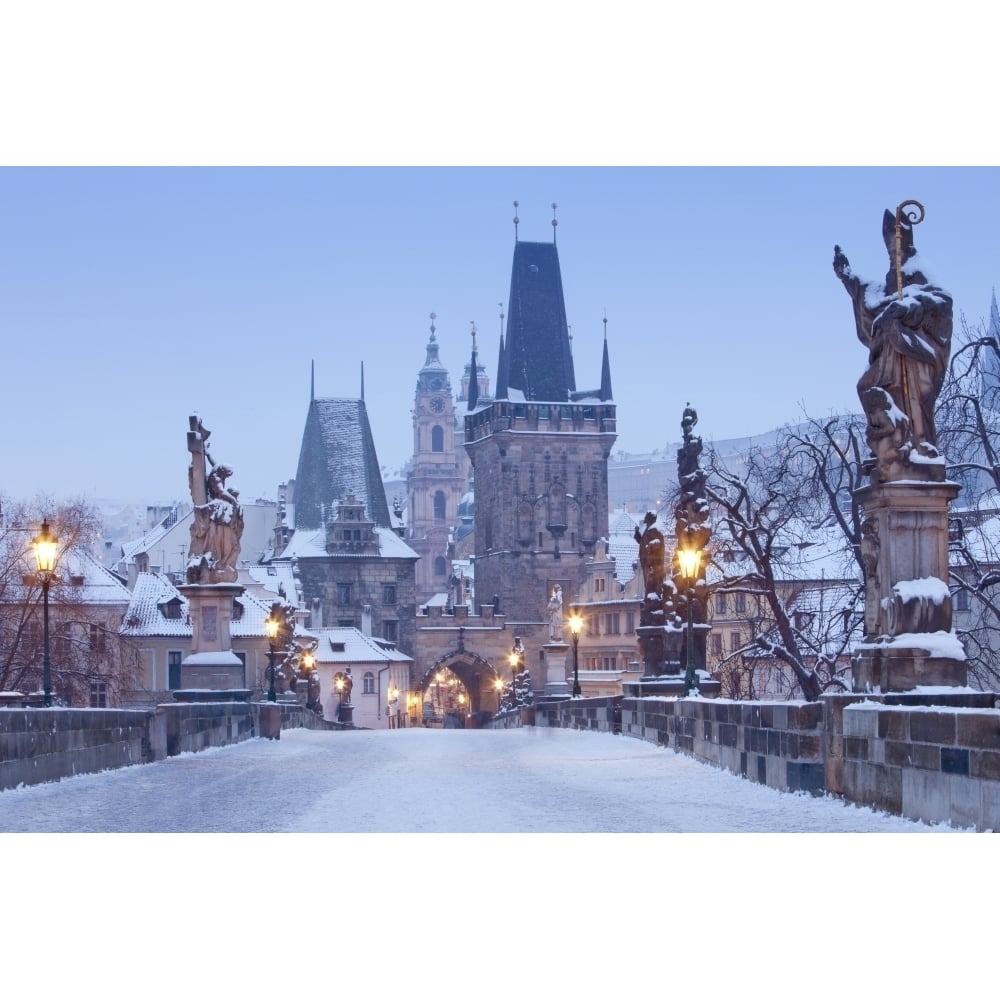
(460, 690)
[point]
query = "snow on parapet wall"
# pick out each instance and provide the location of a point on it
(928, 588)
(944, 644)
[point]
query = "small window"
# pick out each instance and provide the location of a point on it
(599, 585)
(439, 503)
(741, 603)
(369, 683)
(734, 641)
(440, 567)
(343, 593)
(437, 438)
(961, 600)
(390, 631)
(98, 694)
(717, 644)
(174, 669)
(720, 604)
(388, 593)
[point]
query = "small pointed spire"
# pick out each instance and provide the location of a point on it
(312, 380)
(500, 392)
(433, 327)
(606, 394)
(474, 376)
(516, 221)
(555, 222)
(362, 381)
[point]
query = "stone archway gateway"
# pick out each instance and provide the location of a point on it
(459, 690)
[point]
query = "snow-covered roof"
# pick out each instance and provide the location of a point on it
(310, 543)
(80, 579)
(351, 647)
(146, 614)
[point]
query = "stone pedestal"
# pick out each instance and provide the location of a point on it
(211, 665)
(909, 641)
(660, 648)
(555, 669)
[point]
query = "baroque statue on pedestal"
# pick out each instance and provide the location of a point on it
(905, 322)
(218, 518)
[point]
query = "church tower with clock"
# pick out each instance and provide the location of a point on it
(438, 476)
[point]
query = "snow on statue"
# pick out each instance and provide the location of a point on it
(218, 519)
(906, 324)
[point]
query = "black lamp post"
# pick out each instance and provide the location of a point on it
(689, 560)
(45, 554)
(271, 627)
(575, 625)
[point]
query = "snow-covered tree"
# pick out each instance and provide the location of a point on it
(523, 696)
(88, 656)
(968, 421)
(784, 519)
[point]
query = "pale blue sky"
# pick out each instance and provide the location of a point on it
(140, 295)
(131, 296)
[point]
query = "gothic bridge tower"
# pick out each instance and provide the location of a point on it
(539, 450)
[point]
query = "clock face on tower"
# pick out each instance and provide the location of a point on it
(437, 404)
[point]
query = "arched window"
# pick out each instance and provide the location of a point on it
(439, 505)
(437, 438)
(369, 682)
(440, 567)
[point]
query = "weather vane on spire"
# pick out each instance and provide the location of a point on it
(555, 222)
(516, 221)
(605, 322)
(473, 324)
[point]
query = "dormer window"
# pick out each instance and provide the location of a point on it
(172, 609)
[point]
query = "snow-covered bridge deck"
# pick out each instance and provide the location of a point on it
(531, 780)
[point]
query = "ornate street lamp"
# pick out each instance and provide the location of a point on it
(271, 628)
(575, 626)
(498, 687)
(46, 545)
(689, 561)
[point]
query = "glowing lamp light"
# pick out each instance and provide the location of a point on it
(689, 560)
(575, 623)
(308, 661)
(46, 546)
(271, 627)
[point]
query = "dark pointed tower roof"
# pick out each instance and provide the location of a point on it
(538, 359)
(474, 376)
(338, 459)
(501, 390)
(606, 395)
